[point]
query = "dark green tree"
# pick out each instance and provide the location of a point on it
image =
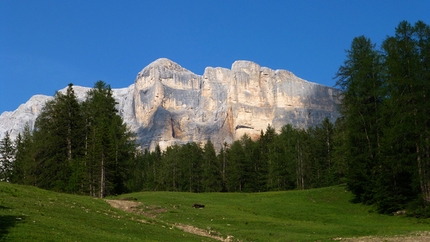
(360, 78)
(303, 163)
(255, 167)
(108, 145)
(24, 166)
(7, 156)
(193, 155)
(173, 172)
(235, 159)
(282, 160)
(340, 163)
(321, 154)
(265, 143)
(211, 178)
(57, 141)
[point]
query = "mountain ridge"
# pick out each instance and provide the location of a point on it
(169, 104)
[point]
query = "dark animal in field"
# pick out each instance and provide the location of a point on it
(196, 205)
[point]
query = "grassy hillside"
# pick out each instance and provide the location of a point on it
(31, 214)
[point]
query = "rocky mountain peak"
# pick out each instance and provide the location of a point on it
(169, 104)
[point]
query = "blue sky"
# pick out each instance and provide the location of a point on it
(44, 45)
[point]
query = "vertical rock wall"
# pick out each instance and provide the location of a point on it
(174, 105)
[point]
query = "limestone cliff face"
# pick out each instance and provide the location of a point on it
(168, 104)
(174, 105)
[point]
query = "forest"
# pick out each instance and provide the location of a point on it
(379, 147)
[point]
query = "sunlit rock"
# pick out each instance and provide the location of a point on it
(169, 104)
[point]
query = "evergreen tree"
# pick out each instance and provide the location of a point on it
(255, 167)
(321, 154)
(303, 164)
(340, 163)
(7, 156)
(222, 158)
(361, 82)
(248, 172)
(24, 166)
(235, 156)
(138, 180)
(169, 173)
(265, 147)
(58, 138)
(194, 156)
(108, 144)
(156, 165)
(211, 179)
(282, 160)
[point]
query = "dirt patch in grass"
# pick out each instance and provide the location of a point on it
(153, 211)
(137, 208)
(413, 237)
(202, 232)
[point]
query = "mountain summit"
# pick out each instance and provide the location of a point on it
(169, 104)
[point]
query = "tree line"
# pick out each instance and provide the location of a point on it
(380, 147)
(291, 159)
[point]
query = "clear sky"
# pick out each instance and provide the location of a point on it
(44, 45)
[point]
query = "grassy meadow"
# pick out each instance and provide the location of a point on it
(32, 214)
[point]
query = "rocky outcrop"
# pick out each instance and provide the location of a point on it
(168, 104)
(174, 105)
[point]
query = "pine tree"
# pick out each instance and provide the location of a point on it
(282, 164)
(108, 144)
(361, 82)
(235, 156)
(7, 156)
(194, 162)
(211, 179)
(303, 164)
(58, 141)
(255, 167)
(321, 154)
(24, 166)
(172, 175)
(340, 163)
(265, 147)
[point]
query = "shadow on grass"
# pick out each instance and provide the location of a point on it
(7, 221)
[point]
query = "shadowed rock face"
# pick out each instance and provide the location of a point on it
(168, 104)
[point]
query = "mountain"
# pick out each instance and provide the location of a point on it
(169, 104)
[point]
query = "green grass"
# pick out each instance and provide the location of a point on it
(31, 214)
(311, 215)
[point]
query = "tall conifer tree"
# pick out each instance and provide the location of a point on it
(361, 81)
(211, 180)
(108, 143)
(7, 156)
